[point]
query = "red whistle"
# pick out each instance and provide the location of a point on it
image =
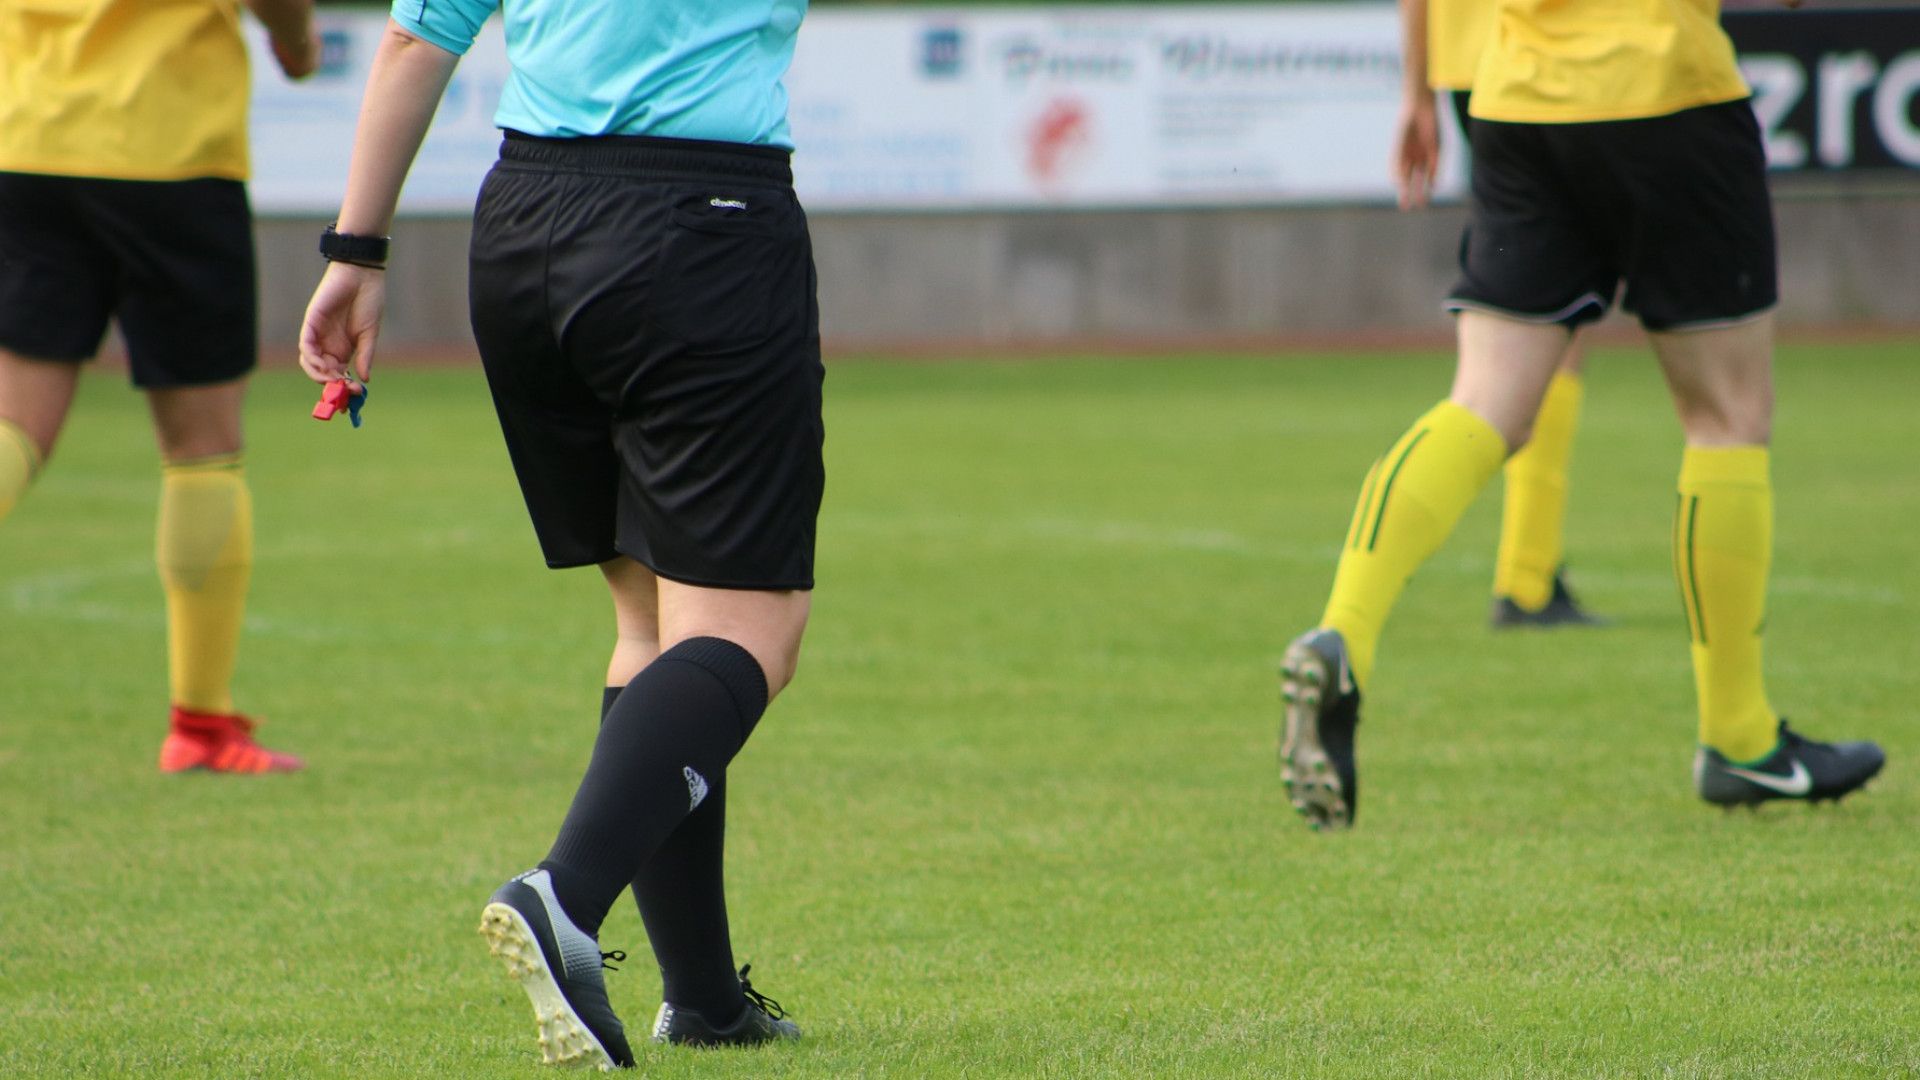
(333, 400)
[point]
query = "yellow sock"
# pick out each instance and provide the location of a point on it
(1533, 523)
(19, 464)
(1722, 549)
(205, 552)
(1411, 501)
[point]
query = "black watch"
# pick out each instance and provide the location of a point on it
(370, 251)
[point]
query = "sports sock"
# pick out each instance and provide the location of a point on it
(1722, 549)
(19, 464)
(665, 742)
(1533, 521)
(1410, 503)
(205, 552)
(681, 892)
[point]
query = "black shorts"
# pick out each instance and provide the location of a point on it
(171, 260)
(645, 309)
(1674, 206)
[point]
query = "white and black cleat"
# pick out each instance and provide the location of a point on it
(761, 1021)
(558, 965)
(1322, 707)
(1799, 768)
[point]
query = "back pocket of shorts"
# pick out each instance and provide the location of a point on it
(731, 266)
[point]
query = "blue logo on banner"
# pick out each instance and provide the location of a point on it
(336, 52)
(940, 52)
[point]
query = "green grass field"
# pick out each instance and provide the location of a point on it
(1020, 815)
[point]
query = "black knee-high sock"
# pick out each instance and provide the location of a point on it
(664, 743)
(682, 896)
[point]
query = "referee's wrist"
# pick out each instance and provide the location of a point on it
(355, 249)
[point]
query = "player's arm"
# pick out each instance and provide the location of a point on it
(343, 320)
(289, 26)
(1416, 142)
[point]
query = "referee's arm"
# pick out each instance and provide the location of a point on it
(343, 320)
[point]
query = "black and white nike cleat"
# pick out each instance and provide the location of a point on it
(763, 1020)
(1799, 768)
(1562, 609)
(558, 965)
(1322, 705)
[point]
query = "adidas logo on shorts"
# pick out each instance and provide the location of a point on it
(696, 788)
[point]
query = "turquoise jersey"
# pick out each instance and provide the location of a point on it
(683, 69)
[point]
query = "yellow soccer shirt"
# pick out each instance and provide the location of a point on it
(123, 89)
(1577, 61)
(1457, 32)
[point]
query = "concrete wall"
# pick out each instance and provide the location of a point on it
(1146, 278)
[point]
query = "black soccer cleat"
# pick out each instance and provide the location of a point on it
(1799, 768)
(1322, 704)
(763, 1020)
(558, 965)
(1562, 609)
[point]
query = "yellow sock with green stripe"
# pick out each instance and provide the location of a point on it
(19, 464)
(1411, 501)
(1722, 551)
(1533, 521)
(205, 552)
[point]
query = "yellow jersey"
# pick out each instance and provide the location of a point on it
(1457, 32)
(123, 89)
(1578, 61)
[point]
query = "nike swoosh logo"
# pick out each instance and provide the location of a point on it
(1798, 784)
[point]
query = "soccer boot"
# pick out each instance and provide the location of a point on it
(1322, 704)
(558, 965)
(1799, 768)
(218, 742)
(1562, 609)
(763, 1020)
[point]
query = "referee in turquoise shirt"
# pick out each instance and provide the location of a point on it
(643, 299)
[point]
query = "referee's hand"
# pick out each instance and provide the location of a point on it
(337, 337)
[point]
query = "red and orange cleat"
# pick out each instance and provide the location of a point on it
(219, 743)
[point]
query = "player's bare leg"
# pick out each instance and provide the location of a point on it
(35, 397)
(1504, 368)
(1529, 585)
(204, 548)
(1722, 383)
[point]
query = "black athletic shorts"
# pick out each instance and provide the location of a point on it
(646, 312)
(171, 260)
(1676, 207)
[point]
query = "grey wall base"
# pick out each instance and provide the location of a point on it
(1022, 280)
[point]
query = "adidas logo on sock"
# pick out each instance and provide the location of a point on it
(696, 788)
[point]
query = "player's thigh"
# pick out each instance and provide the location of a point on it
(192, 422)
(187, 304)
(1503, 370)
(1722, 381)
(767, 623)
(36, 395)
(1701, 248)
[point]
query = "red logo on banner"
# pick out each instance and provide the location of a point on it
(1054, 140)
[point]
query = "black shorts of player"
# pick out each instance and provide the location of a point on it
(645, 309)
(1461, 99)
(1676, 207)
(171, 260)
